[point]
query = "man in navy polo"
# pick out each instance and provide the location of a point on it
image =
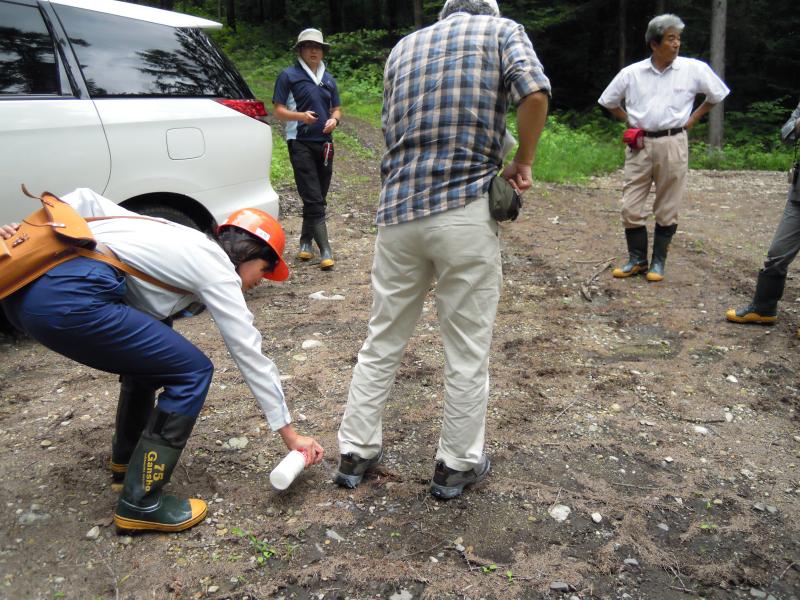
(307, 99)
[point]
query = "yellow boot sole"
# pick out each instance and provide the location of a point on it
(199, 511)
(654, 276)
(751, 317)
(636, 270)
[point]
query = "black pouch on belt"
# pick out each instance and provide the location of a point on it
(504, 201)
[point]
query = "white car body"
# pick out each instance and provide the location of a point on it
(187, 155)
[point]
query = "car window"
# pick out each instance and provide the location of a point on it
(120, 56)
(27, 55)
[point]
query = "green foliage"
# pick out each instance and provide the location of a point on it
(744, 157)
(567, 154)
(489, 568)
(263, 549)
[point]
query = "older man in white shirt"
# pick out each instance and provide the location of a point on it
(658, 95)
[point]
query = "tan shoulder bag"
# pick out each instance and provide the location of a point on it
(50, 236)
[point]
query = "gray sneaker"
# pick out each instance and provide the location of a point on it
(352, 468)
(448, 483)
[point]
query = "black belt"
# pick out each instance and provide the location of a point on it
(663, 132)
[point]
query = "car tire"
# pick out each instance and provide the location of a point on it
(169, 213)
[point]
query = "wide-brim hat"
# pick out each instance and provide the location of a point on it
(311, 35)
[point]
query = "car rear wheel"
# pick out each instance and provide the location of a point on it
(169, 213)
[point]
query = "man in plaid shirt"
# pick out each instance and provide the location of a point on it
(447, 90)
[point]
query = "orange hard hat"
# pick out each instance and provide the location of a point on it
(265, 227)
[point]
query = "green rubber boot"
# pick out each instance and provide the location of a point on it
(135, 405)
(326, 261)
(306, 251)
(636, 238)
(143, 506)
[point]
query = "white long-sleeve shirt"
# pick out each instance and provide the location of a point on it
(657, 100)
(187, 259)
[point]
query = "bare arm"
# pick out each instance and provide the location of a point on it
(619, 113)
(333, 122)
(284, 114)
(531, 117)
(699, 113)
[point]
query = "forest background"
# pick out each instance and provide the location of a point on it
(582, 44)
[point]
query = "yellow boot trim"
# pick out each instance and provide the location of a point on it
(619, 273)
(199, 511)
(118, 468)
(303, 255)
(326, 264)
(654, 277)
(751, 317)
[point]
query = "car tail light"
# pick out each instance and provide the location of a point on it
(251, 108)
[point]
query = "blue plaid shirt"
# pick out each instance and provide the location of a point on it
(447, 90)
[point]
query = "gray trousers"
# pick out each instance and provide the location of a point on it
(786, 242)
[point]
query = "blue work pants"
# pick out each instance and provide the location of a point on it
(77, 310)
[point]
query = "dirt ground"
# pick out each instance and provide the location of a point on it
(670, 435)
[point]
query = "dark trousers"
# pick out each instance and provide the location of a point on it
(312, 176)
(786, 241)
(77, 310)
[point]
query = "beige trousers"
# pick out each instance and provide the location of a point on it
(459, 248)
(665, 162)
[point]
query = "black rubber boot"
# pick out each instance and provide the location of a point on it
(661, 240)
(325, 253)
(636, 237)
(763, 310)
(135, 405)
(306, 251)
(143, 506)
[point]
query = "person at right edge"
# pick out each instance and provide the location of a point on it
(763, 309)
(447, 89)
(659, 94)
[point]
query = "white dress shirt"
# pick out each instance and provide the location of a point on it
(187, 259)
(662, 100)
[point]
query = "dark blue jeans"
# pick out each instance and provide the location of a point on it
(77, 309)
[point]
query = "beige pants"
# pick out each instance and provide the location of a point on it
(665, 162)
(461, 250)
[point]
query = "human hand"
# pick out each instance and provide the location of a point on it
(7, 231)
(302, 443)
(308, 446)
(309, 117)
(518, 175)
(330, 125)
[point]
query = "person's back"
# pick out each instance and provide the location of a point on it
(444, 112)
(446, 92)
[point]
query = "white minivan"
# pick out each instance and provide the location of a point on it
(133, 102)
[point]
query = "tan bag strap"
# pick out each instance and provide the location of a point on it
(93, 254)
(113, 261)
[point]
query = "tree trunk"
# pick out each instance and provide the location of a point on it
(719, 10)
(335, 12)
(623, 27)
(231, 14)
(417, 14)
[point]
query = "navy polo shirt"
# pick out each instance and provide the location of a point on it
(298, 92)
